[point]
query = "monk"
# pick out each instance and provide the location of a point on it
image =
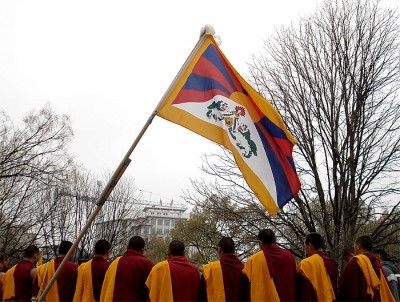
(18, 280)
(175, 279)
(64, 287)
(126, 276)
(271, 271)
(363, 278)
(224, 280)
(91, 274)
(317, 274)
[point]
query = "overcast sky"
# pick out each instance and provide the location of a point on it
(107, 64)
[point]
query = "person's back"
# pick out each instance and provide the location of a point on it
(224, 280)
(24, 274)
(23, 281)
(273, 266)
(174, 279)
(363, 270)
(66, 280)
(99, 269)
(317, 274)
(64, 287)
(125, 278)
(91, 274)
(133, 269)
(185, 279)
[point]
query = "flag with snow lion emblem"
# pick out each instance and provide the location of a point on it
(211, 99)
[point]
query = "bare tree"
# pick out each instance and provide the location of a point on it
(33, 156)
(75, 201)
(45, 197)
(335, 80)
(36, 150)
(117, 221)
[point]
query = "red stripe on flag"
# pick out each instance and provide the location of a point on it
(206, 69)
(194, 96)
(285, 145)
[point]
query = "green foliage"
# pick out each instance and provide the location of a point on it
(156, 249)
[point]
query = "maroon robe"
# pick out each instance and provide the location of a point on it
(23, 281)
(352, 285)
(99, 269)
(236, 284)
(132, 271)
(185, 278)
(304, 289)
(66, 281)
(282, 268)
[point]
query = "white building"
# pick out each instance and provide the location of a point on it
(157, 220)
(148, 220)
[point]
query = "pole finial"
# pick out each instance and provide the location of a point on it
(208, 29)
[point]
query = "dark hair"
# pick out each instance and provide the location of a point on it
(227, 245)
(3, 257)
(266, 236)
(316, 240)
(30, 251)
(176, 248)
(348, 252)
(136, 243)
(64, 247)
(382, 253)
(102, 247)
(365, 242)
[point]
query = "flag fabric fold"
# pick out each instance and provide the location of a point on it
(211, 99)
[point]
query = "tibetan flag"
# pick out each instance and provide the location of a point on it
(211, 99)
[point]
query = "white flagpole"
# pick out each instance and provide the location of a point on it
(122, 167)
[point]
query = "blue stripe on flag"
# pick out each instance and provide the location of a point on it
(283, 192)
(273, 129)
(200, 83)
(211, 55)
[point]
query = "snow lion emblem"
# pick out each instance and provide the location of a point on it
(239, 132)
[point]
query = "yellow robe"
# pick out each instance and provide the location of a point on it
(373, 282)
(84, 285)
(107, 290)
(44, 273)
(159, 283)
(313, 269)
(262, 286)
(212, 273)
(9, 284)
